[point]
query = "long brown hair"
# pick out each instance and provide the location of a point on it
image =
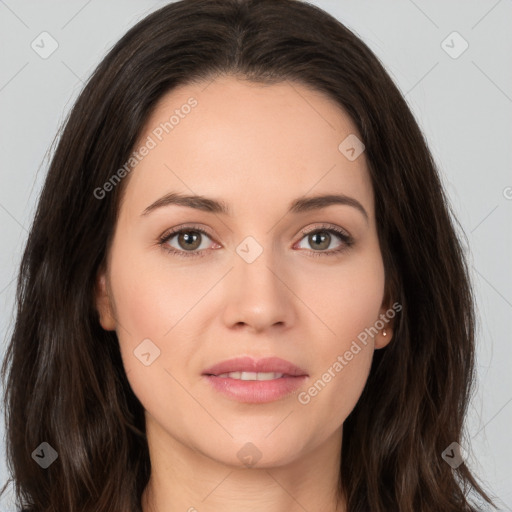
(64, 378)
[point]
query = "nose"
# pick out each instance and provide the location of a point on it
(259, 294)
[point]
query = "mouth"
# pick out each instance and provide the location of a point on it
(249, 380)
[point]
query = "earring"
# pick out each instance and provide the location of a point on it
(384, 333)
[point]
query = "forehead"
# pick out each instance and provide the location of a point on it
(240, 141)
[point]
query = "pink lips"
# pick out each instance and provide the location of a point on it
(255, 391)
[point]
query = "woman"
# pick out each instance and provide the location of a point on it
(242, 287)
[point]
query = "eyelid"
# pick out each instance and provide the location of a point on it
(183, 227)
(326, 226)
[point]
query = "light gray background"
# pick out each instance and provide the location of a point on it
(464, 106)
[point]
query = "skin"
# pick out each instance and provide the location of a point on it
(257, 148)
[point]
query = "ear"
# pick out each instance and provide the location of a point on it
(104, 303)
(387, 317)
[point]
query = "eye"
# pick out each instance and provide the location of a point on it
(189, 241)
(321, 238)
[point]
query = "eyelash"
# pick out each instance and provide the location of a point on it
(347, 240)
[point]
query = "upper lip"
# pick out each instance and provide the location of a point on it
(248, 364)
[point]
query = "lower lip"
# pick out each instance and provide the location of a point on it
(255, 391)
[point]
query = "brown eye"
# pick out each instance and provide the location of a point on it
(189, 240)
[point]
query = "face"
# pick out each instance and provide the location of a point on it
(262, 279)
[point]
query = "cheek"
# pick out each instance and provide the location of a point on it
(151, 311)
(150, 296)
(146, 306)
(348, 299)
(335, 390)
(349, 304)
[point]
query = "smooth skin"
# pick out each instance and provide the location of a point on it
(257, 148)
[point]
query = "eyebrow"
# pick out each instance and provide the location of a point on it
(300, 205)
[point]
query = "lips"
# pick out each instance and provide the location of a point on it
(255, 381)
(248, 364)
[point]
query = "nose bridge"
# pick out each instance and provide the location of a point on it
(256, 264)
(258, 295)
